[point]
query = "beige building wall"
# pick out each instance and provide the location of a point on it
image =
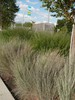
(43, 27)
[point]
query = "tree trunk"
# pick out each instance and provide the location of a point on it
(72, 46)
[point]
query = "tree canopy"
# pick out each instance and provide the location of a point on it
(8, 9)
(62, 23)
(65, 8)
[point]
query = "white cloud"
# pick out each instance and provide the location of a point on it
(19, 18)
(23, 7)
(43, 22)
(34, 3)
(22, 17)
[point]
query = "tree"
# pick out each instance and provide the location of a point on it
(63, 22)
(60, 8)
(28, 24)
(8, 9)
(65, 8)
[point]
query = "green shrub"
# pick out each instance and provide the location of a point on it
(40, 41)
(23, 34)
(58, 41)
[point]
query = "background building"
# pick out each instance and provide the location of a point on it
(43, 27)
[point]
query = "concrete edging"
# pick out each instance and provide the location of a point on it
(4, 92)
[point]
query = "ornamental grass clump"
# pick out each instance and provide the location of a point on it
(34, 75)
(66, 82)
(10, 51)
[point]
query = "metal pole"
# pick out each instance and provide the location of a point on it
(23, 19)
(48, 15)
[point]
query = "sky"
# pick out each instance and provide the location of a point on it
(38, 13)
